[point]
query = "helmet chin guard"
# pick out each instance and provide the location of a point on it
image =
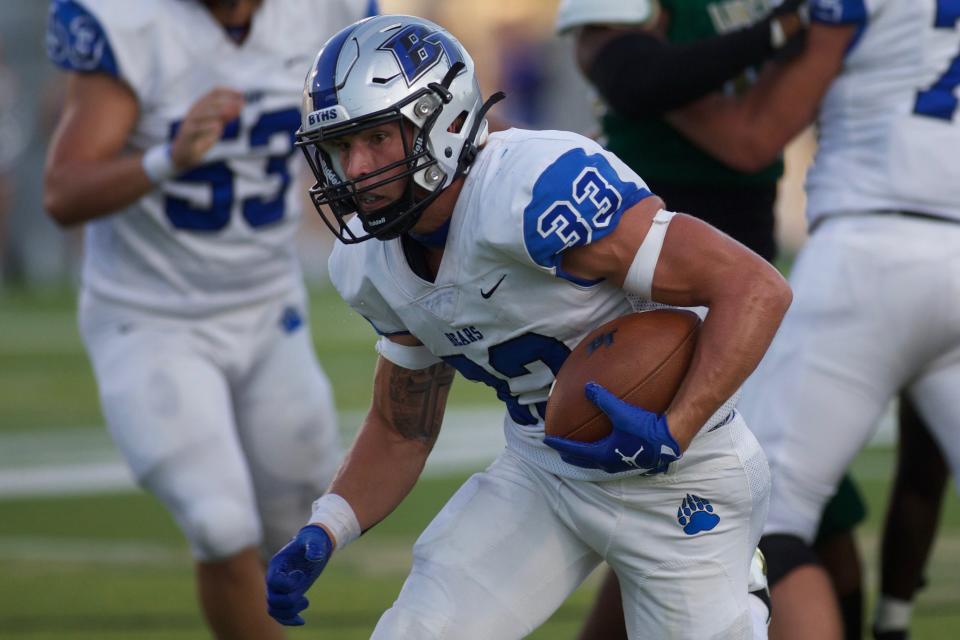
(384, 70)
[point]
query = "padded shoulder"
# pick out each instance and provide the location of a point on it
(77, 38)
(114, 37)
(552, 190)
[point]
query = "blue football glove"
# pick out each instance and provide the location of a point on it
(640, 439)
(293, 570)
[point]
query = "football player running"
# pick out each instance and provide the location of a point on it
(175, 149)
(494, 255)
(872, 316)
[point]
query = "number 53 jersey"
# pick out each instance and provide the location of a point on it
(889, 135)
(219, 235)
(501, 310)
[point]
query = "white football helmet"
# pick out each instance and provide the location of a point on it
(382, 69)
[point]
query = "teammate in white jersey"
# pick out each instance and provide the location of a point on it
(495, 256)
(873, 311)
(175, 147)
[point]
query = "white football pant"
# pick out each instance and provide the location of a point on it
(228, 419)
(876, 309)
(516, 540)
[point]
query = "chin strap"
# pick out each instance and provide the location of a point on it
(470, 148)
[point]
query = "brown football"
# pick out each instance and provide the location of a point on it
(640, 357)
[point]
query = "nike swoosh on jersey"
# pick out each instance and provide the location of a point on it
(487, 294)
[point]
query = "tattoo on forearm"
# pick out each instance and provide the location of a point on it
(417, 400)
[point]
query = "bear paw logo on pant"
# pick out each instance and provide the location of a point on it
(696, 514)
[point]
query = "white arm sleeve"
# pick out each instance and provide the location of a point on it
(639, 280)
(418, 357)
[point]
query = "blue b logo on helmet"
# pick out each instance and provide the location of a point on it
(418, 49)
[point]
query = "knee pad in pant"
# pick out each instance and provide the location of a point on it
(784, 553)
(219, 529)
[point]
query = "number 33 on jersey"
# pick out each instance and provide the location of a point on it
(502, 310)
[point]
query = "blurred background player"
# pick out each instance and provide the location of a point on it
(882, 207)
(391, 134)
(175, 149)
(685, 50)
(688, 50)
(13, 139)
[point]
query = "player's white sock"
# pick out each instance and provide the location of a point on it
(892, 614)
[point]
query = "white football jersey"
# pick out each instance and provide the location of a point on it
(889, 132)
(219, 235)
(502, 311)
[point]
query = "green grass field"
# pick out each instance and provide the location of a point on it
(113, 566)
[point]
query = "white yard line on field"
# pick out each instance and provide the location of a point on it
(73, 550)
(82, 461)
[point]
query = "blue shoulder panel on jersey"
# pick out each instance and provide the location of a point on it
(373, 9)
(576, 200)
(839, 11)
(76, 40)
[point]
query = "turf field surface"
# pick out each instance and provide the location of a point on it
(111, 565)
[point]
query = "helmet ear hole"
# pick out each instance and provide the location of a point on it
(457, 125)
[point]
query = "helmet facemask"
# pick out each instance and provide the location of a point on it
(333, 190)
